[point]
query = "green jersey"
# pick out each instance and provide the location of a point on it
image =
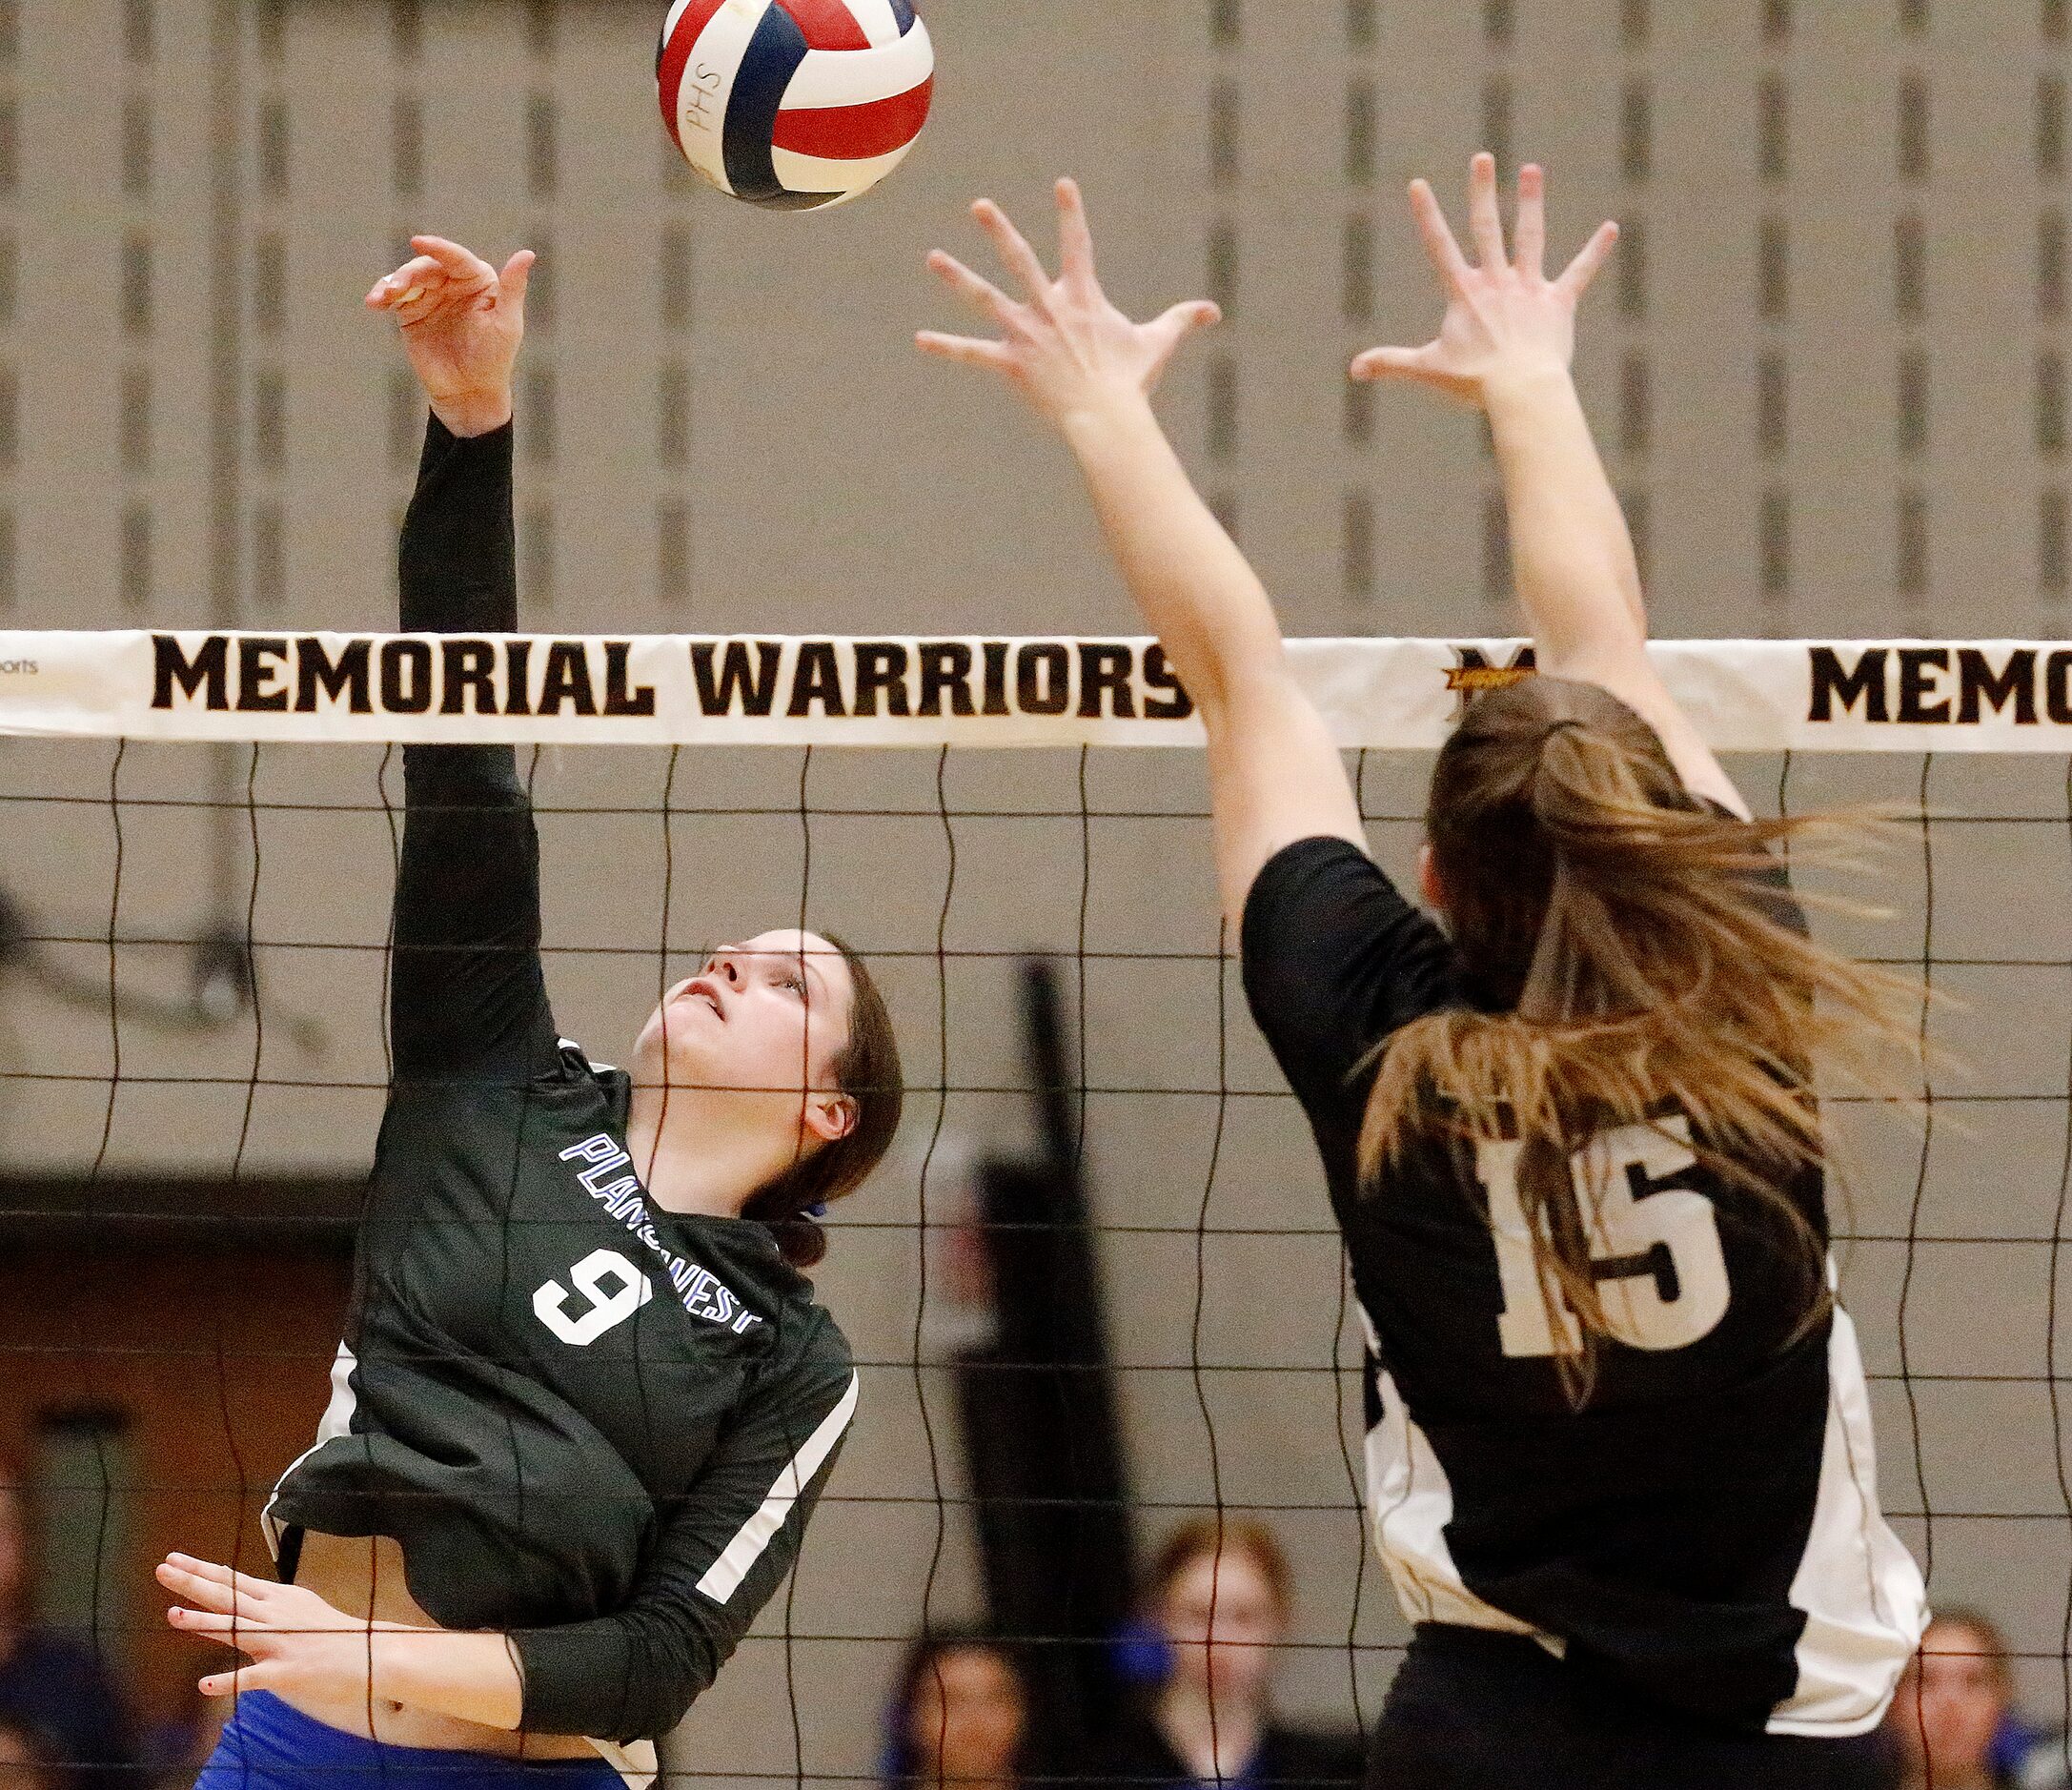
(593, 1424)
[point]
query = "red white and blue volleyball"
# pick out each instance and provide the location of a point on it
(795, 104)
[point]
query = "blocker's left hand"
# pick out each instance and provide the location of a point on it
(295, 1641)
(1504, 318)
(1064, 346)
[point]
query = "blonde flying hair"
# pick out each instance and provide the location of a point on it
(1623, 962)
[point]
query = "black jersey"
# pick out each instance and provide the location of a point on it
(590, 1422)
(1706, 1530)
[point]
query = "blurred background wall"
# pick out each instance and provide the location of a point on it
(1828, 370)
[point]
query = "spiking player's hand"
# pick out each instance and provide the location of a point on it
(293, 1638)
(1063, 345)
(462, 322)
(1503, 316)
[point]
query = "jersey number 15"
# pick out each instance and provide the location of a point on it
(1654, 1244)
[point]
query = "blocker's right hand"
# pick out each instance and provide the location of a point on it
(1067, 346)
(462, 322)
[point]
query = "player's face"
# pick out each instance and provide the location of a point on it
(766, 1016)
(1950, 1704)
(19, 1767)
(1235, 1658)
(966, 1724)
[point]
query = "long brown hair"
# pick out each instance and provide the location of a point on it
(1623, 963)
(867, 1070)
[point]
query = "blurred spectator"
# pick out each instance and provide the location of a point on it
(1211, 1721)
(50, 1685)
(1953, 1704)
(25, 1758)
(958, 1715)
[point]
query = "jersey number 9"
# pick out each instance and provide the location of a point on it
(614, 1287)
(1654, 1246)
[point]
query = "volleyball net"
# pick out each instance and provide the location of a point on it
(201, 830)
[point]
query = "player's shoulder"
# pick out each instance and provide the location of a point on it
(812, 1345)
(571, 1061)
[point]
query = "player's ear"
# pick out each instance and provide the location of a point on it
(1428, 884)
(831, 1117)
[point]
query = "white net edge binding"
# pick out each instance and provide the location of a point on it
(1907, 696)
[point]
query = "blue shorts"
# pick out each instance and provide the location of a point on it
(265, 1746)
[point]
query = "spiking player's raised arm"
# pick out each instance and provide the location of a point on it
(586, 1403)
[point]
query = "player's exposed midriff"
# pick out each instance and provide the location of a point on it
(363, 1576)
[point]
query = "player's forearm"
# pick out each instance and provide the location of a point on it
(1572, 552)
(470, 1676)
(1196, 590)
(458, 558)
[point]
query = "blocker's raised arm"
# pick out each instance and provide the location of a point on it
(1274, 775)
(1506, 345)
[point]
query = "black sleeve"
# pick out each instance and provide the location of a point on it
(467, 996)
(1334, 961)
(724, 1548)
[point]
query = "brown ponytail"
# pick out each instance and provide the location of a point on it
(1622, 962)
(868, 1071)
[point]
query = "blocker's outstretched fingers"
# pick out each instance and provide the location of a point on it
(1441, 243)
(980, 291)
(967, 350)
(1181, 321)
(1485, 216)
(1531, 247)
(1388, 363)
(1576, 278)
(1075, 238)
(1012, 247)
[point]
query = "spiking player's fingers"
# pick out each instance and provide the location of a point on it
(980, 291)
(1012, 247)
(1441, 243)
(1531, 247)
(516, 275)
(211, 1591)
(236, 1683)
(459, 263)
(407, 285)
(1576, 278)
(1485, 218)
(966, 350)
(1075, 236)
(225, 1631)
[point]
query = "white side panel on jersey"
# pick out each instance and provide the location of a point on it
(723, 1577)
(707, 87)
(336, 1421)
(813, 174)
(858, 77)
(1412, 1501)
(880, 23)
(1863, 1597)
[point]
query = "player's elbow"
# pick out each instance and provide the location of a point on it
(671, 1670)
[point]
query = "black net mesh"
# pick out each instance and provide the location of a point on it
(1101, 1229)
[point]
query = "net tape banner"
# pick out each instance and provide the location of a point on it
(1745, 695)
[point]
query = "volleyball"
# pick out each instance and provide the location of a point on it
(794, 105)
